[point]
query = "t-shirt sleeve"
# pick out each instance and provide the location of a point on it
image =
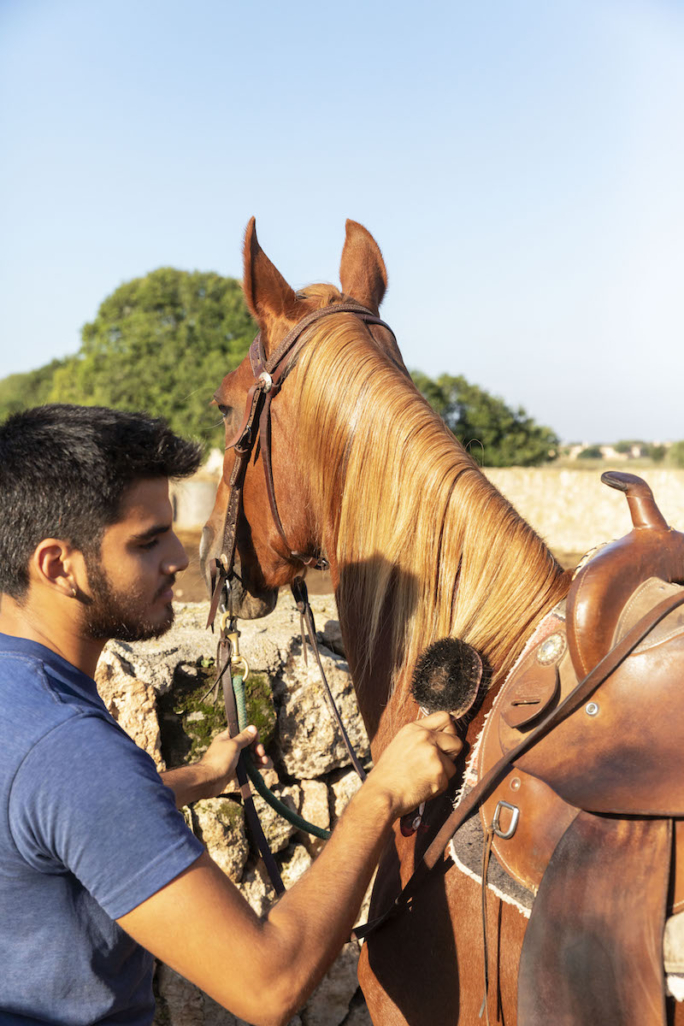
(87, 800)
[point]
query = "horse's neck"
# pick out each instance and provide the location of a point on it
(382, 679)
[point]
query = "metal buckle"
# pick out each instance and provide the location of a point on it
(267, 380)
(515, 816)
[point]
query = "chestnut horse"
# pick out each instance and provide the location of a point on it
(420, 546)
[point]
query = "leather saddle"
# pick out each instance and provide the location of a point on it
(591, 818)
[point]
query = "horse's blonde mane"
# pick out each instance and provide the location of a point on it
(414, 525)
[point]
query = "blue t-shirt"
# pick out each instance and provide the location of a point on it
(88, 831)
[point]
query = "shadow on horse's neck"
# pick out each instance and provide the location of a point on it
(378, 662)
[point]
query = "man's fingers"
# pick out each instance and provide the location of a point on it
(447, 743)
(246, 737)
(442, 721)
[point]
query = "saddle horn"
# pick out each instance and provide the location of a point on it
(642, 506)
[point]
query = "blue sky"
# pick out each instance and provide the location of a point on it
(520, 163)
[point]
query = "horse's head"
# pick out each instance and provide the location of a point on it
(277, 535)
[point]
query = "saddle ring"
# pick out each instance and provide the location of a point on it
(513, 825)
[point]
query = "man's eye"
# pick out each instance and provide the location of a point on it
(150, 544)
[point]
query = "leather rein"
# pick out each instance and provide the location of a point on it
(269, 374)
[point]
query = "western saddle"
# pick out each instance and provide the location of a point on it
(588, 817)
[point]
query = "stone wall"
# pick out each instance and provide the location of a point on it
(573, 511)
(160, 693)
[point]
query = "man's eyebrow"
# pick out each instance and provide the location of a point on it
(151, 532)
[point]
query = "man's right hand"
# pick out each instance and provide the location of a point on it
(418, 763)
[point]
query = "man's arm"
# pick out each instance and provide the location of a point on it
(215, 770)
(263, 970)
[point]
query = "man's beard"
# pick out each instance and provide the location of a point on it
(109, 614)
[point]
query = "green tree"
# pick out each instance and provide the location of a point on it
(657, 453)
(592, 452)
(20, 391)
(495, 434)
(161, 343)
(675, 454)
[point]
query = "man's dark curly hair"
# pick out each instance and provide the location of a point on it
(64, 471)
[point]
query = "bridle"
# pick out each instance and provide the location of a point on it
(269, 374)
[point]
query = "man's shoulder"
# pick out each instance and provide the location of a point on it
(38, 695)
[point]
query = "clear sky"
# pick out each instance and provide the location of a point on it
(520, 162)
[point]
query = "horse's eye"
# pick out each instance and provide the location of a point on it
(225, 410)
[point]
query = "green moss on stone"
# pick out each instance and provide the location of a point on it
(190, 719)
(230, 814)
(259, 704)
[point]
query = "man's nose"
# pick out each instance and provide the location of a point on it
(177, 559)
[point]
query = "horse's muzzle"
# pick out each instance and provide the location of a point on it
(241, 599)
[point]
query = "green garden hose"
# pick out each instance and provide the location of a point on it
(258, 781)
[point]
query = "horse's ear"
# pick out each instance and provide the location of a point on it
(268, 295)
(362, 270)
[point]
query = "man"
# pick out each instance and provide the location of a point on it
(97, 867)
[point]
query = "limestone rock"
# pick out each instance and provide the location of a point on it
(154, 662)
(310, 744)
(257, 889)
(332, 637)
(132, 704)
(222, 829)
(216, 1015)
(295, 864)
(343, 790)
(358, 1012)
(329, 1003)
(277, 830)
(181, 999)
(315, 808)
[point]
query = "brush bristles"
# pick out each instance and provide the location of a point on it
(447, 677)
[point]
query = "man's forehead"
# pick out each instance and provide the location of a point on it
(146, 500)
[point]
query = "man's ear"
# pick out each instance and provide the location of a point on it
(57, 565)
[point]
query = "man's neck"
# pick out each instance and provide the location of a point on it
(56, 631)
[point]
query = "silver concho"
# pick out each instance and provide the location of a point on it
(551, 649)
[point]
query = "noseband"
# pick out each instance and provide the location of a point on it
(269, 374)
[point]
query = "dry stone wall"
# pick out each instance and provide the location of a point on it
(573, 511)
(160, 692)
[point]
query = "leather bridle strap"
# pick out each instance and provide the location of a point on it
(258, 356)
(242, 446)
(270, 374)
(470, 803)
(301, 596)
(273, 372)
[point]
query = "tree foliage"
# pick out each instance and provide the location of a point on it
(495, 434)
(676, 454)
(161, 343)
(19, 391)
(592, 452)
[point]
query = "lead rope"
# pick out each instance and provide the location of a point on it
(227, 658)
